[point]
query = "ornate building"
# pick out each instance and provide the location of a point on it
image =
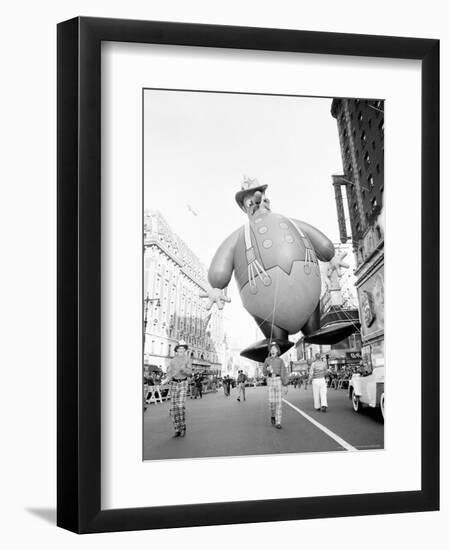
(173, 309)
(361, 135)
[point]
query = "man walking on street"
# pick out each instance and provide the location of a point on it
(199, 385)
(178, 372)
(277, 381)
(317, 374)
(241, 380)
(227, 386)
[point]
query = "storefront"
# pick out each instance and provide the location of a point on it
(371, 297)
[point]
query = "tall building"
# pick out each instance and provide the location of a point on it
(361, 134)
(236, 362)
(173, 310)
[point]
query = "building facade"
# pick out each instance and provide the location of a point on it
(174, 278)
(359, 202)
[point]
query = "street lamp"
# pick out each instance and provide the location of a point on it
(147, 301)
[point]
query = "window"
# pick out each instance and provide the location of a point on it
(381, 128)
(373, 146)
(360, 117)
(363, 138)
(369, 122)
(374, 202)
(367, 159)
(378, 168)
(370, 180)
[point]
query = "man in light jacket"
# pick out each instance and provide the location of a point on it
(317, 374)
(241, 380)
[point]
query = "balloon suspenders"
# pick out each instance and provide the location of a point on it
(254, 269)
(310, 255)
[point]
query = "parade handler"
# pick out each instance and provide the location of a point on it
(241, 380)
(178, 373)
(317, 374)
(277, 381)
(275, 264)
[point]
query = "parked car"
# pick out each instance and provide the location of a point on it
(366, 388)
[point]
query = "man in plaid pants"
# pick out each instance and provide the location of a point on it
(277, 381)
(180, 369)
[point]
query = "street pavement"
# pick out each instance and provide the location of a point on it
(221, 426)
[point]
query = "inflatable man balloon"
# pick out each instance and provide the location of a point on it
(275, 263)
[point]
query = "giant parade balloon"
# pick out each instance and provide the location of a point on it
(274, 259)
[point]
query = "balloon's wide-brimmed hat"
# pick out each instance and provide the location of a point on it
(249, 185)
(181, 344)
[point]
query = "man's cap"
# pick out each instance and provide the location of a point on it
(181, 344)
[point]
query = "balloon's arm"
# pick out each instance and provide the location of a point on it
(322, 245)
(222, 265)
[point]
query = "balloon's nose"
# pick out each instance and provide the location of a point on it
(257, 197)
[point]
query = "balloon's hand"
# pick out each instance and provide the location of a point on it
(215, 296)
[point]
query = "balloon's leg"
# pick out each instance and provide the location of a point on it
(259, 350)
(313, 323)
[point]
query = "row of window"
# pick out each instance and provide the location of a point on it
(195, 354)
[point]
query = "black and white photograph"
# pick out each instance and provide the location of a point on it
(263, 274)
(213, 249)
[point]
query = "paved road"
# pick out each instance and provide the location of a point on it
(220, 426)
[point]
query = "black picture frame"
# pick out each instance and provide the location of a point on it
(79, 275)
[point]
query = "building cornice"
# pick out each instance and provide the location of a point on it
(154, 242)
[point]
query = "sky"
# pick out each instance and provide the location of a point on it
(199, 145)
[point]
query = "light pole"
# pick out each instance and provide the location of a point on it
(147, 301)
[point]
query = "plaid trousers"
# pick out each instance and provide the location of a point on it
(274, 385)
(177, 409)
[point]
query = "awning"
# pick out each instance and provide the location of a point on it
(332, 333)
(201, 365)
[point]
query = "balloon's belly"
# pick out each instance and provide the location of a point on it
(288, 301)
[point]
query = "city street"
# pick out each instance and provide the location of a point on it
(221, 426)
